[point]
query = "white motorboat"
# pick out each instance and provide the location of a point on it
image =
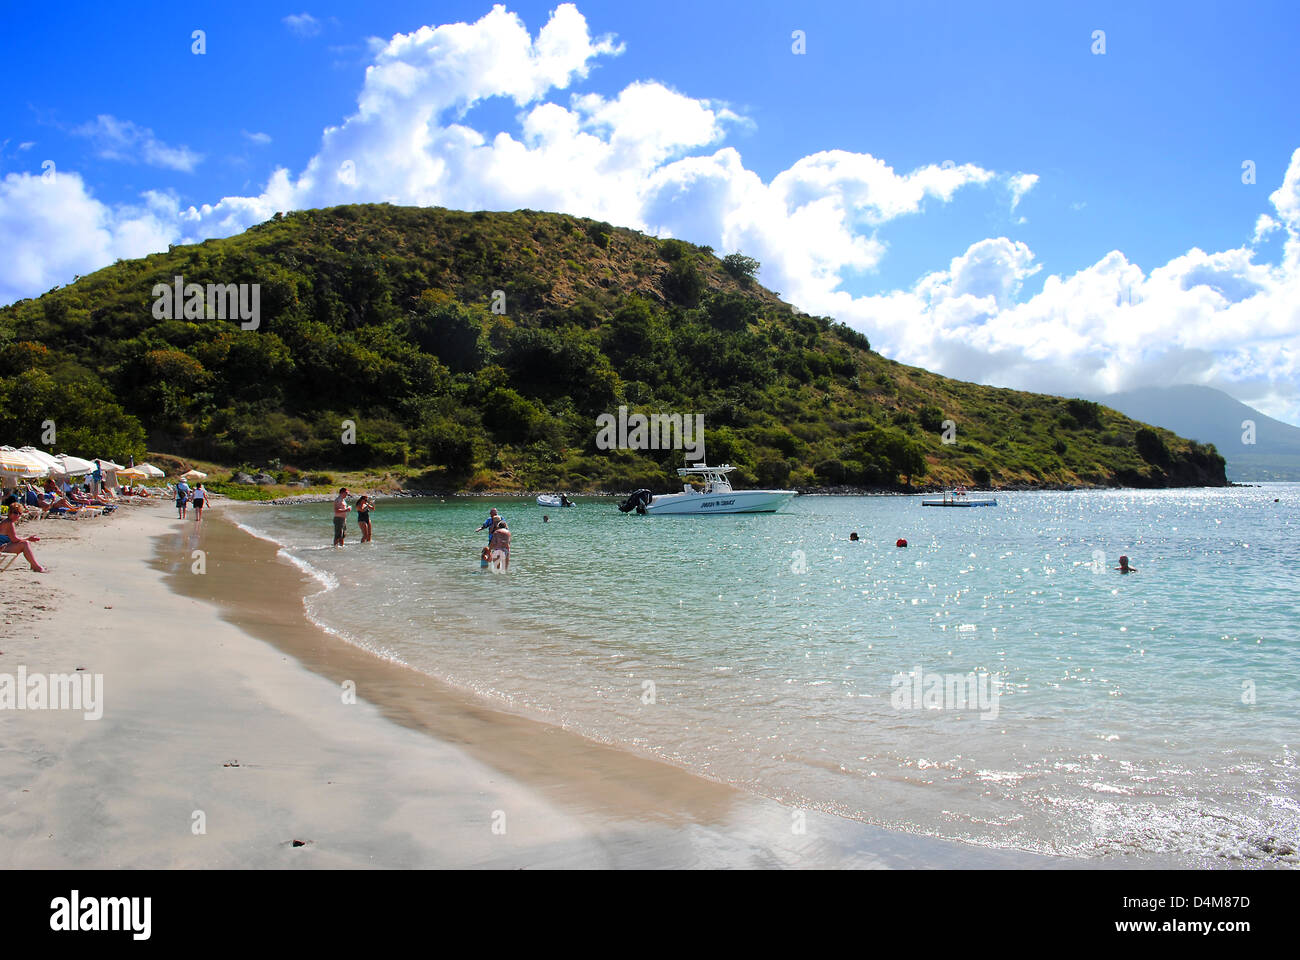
(717, 496)
(554, 500)
(958, 497)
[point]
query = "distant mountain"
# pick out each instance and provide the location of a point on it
(1211, 416)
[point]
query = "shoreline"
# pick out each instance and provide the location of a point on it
(226, 708)
(291, 499)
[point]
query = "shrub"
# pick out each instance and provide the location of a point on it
(772, 473)
(1084, 412)
(1151, 448)
(673, 250)
(931, 418)
(683, 283)
(731, 311)
(852, 337)
(830, 472)
(599, 233)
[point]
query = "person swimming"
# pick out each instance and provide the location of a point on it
(854, 536)
(1124, 567)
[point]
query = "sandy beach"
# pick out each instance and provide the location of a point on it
(227, 739)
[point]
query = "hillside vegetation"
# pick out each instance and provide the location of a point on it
(383, 317)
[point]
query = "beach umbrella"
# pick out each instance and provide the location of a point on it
(151, 471)
(74, 466)
(132, 473)
(43, 458)
(20, 464)
(194, 475)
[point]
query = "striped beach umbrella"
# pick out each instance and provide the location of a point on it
(16, 463)
(46, 460)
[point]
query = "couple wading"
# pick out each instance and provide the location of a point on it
(497, 552)
(365, 506)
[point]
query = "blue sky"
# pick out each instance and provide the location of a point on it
(1139, 150)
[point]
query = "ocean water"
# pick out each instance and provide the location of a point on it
(1148, 716)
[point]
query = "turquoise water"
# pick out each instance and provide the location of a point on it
(1150, 714)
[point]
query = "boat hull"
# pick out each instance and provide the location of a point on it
(710, 504)
(959, 503)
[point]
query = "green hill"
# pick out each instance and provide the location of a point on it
(383, 316)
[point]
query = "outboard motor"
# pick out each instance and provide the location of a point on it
(639, 500)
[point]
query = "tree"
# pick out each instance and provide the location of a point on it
(741, 267)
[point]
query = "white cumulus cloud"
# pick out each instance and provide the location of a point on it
(52, 230)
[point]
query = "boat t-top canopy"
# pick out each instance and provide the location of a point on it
(700, 468)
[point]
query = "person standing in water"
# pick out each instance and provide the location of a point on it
(1124, 567)
(341, 508)
(491, 522)
(364, 508)
(500, 547)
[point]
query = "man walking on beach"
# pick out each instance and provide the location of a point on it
(341, 509)
(182, 498)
